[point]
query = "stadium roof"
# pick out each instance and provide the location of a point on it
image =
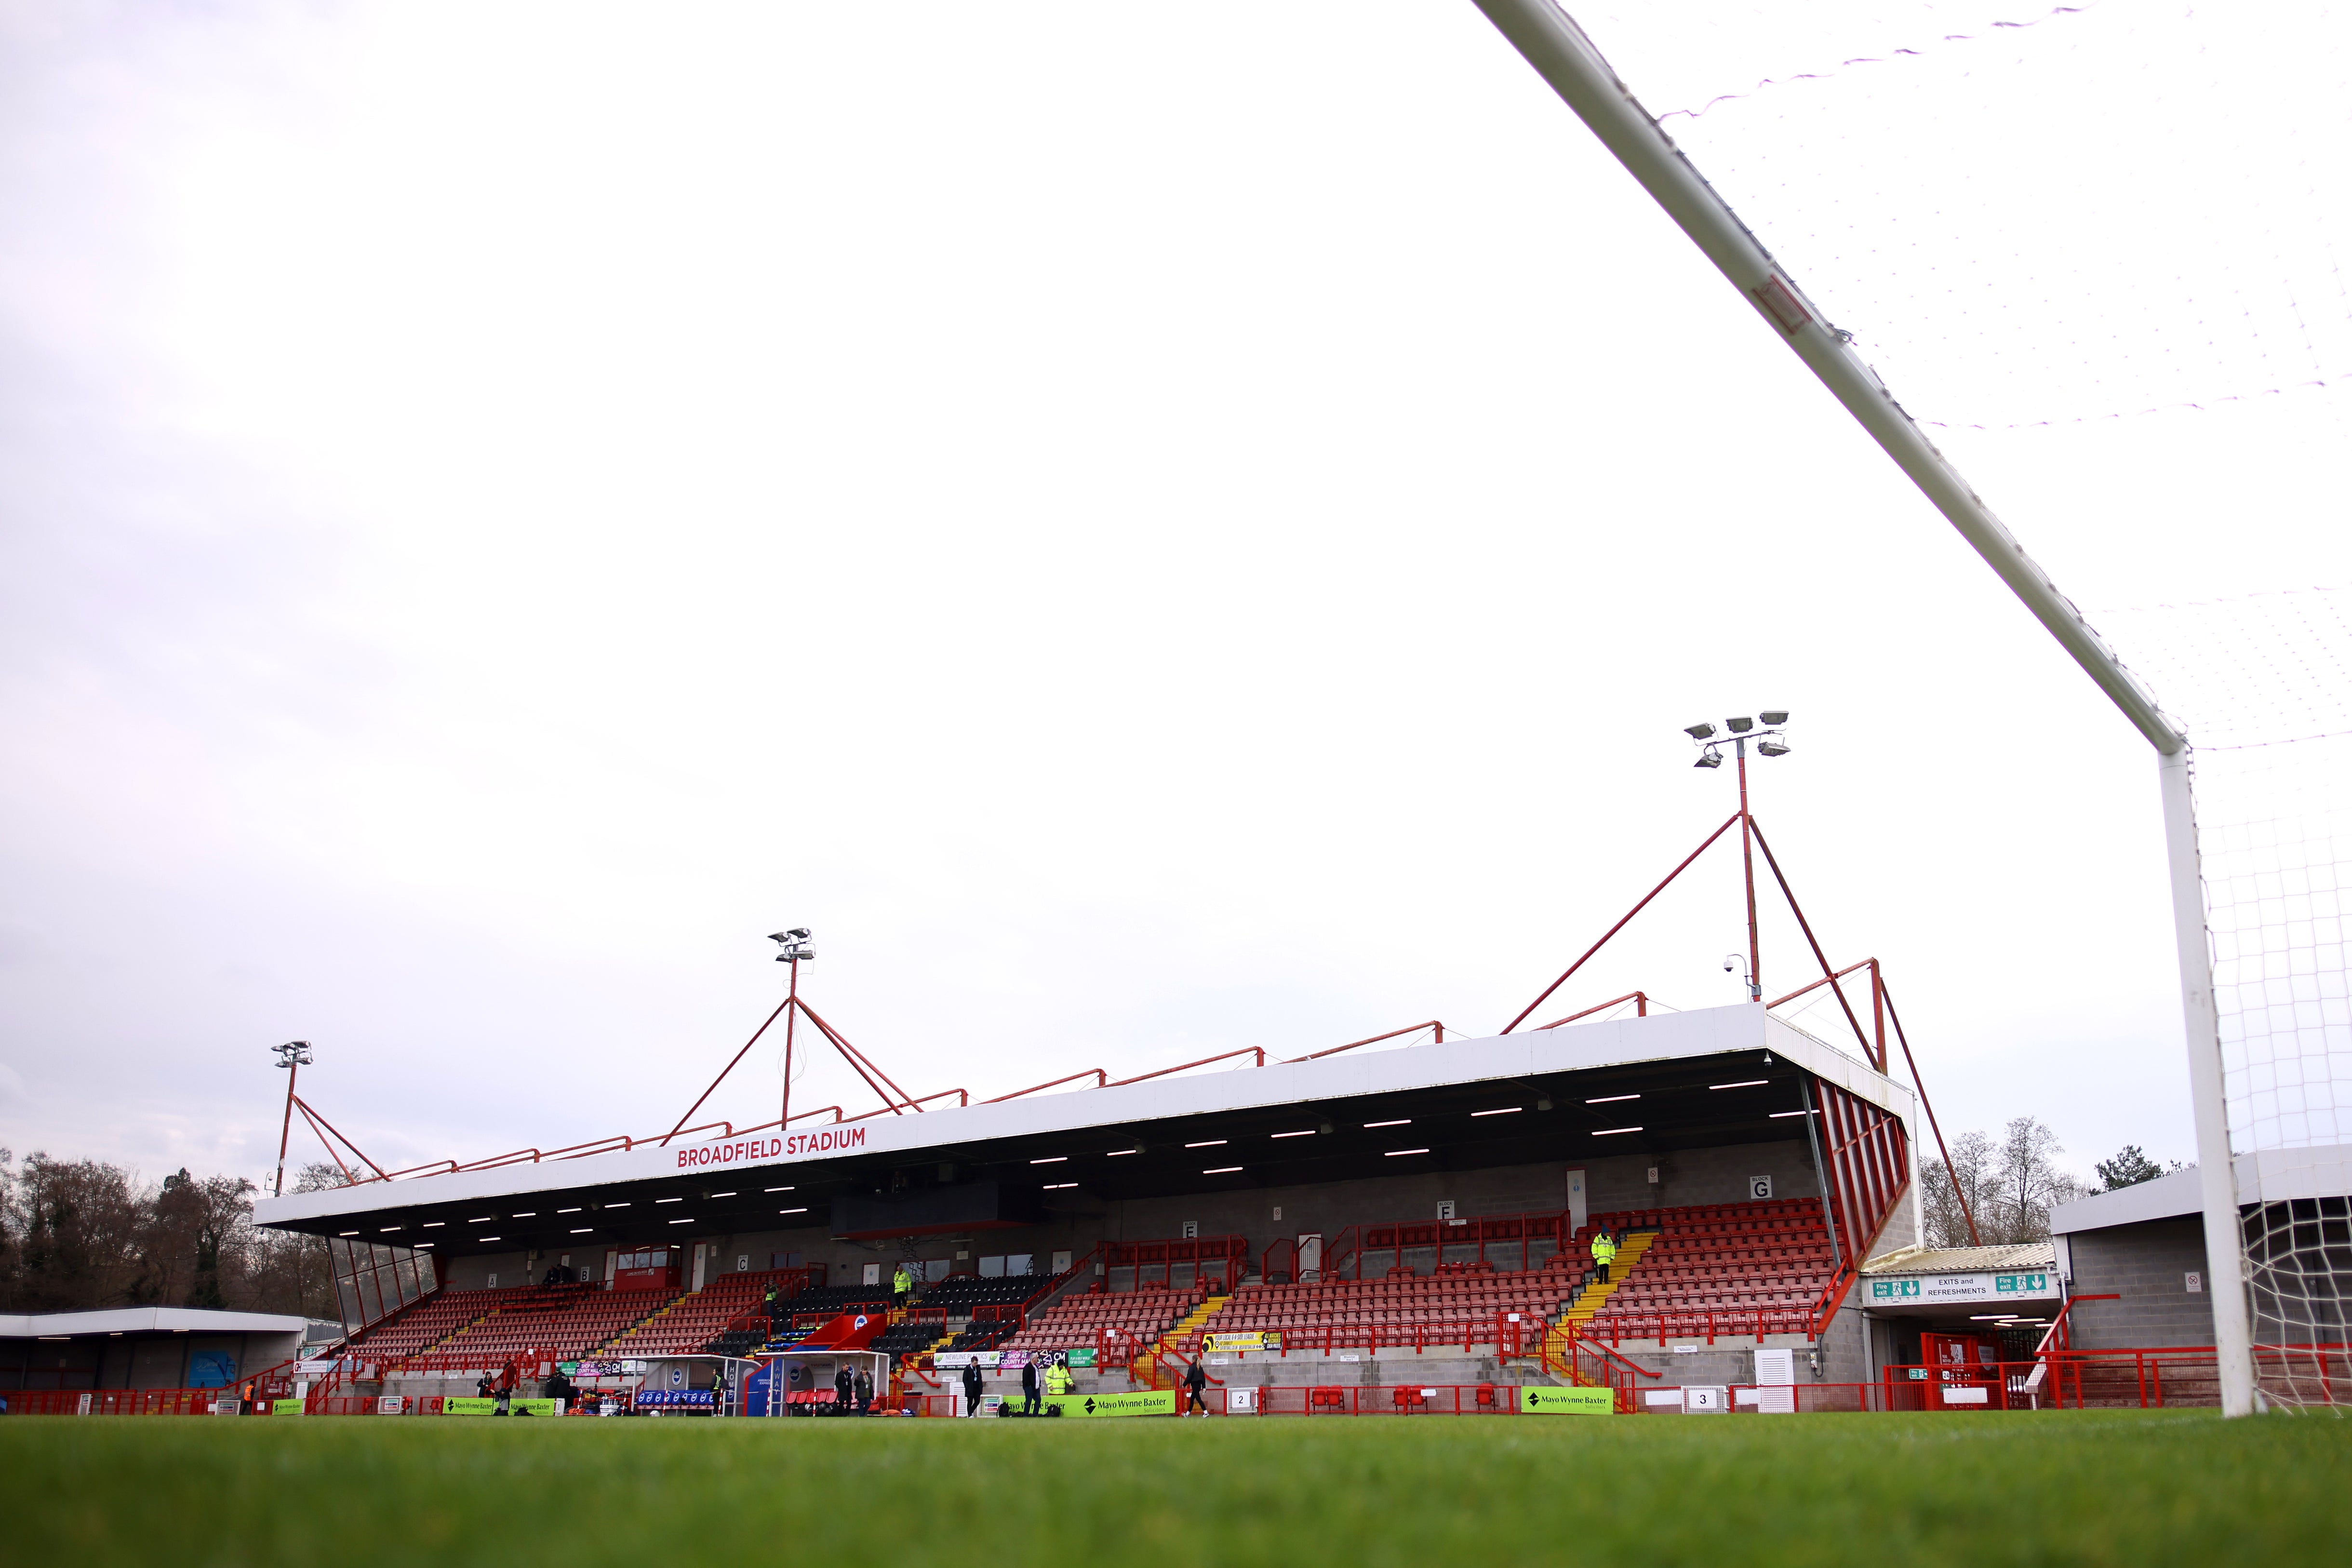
(1466, 1104)
(1963, 1259)
(145, 1321)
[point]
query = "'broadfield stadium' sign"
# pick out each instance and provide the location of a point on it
(830, 1140)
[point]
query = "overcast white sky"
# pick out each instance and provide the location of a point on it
(1153, 532)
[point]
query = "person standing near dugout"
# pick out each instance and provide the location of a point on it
(970, 1389)
(1028, 1388)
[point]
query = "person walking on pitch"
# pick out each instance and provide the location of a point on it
(1195, 1381)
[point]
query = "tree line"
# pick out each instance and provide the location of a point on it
(2012, 1182)
(82, 1235)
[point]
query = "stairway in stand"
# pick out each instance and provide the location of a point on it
(1592, 1298)
(1146, 1368)
(1559, 1335)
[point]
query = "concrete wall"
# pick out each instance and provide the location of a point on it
(133, 1361)
(2147, 1264)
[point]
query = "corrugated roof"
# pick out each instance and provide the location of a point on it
(1964, 1260)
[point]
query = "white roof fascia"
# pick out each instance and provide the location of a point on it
(2264, 1177)
(1664, 1037)
(146, 1320)
(2276, 1175)
(2170, 1197)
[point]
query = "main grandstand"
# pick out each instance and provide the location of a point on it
(1418, 1217)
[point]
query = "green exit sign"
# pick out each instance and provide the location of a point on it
(1893, 1289)
(2022, 1284)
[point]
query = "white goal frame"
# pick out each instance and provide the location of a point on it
(1568, 61)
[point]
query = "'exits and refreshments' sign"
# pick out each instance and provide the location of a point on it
(1959, 1289)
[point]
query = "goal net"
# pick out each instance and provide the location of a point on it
(2108, 239)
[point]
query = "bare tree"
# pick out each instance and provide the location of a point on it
(1971, 1171)
(284, 1272)
(2026, 1183)
(76, 1228)
(2011, 1186)
(82, 1235)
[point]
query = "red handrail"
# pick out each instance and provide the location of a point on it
(1373, 1040)
(1100, 1078)
(963, 1098)
(1639, 999)
(1185, 1067)
(2057, 1329)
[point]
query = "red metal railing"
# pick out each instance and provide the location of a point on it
(1221, 1256)
(1639, 999)
(1187, 1067)
(1373, 1040)
(1100, 1078)
(1467, 1332)
(963, 1098)
(1746, 1323)
(1343, 1253)
(114, 1401)
(1590, 1364)
(1378, 1399)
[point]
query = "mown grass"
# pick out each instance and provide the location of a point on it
(2079, 1488)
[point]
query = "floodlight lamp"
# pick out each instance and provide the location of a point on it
(1698, 732)
(1772, 746)
(293, 1053)
(1712, 759)
(1774, 715)
(1739, 726)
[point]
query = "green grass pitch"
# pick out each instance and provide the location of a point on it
(2128, 1488)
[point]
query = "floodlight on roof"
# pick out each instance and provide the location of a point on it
(1774, 715)
(1698, 732)
(1739, 726)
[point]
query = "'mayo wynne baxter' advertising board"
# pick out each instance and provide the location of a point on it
(1141, 1402)
(1540, 1399)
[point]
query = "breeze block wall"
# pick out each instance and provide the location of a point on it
(2148, 1265)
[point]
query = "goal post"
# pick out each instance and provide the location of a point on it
(1568, 63)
